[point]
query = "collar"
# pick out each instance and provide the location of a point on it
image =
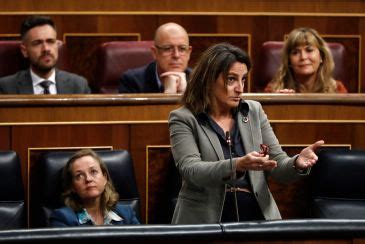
(243, 108)
(84, 217)
(37, 79)
(159, 82)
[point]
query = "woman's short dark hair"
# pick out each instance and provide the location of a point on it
(215, 60)
(109, 197)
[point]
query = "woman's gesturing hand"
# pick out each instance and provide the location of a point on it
(307, 157)
(255, 161)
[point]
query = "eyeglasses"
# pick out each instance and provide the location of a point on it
(168, 50)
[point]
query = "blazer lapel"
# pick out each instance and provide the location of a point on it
(25, 84)
(151, 83)
(244, 125)
(214, 141)
(62, 84)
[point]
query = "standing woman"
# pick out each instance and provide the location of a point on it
(89, 195)
(306, 66)
(224, 174)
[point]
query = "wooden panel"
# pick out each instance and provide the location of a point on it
(9, 37)
(280, 6)
(160, 182)
(5, 138)
(331, 133)
(143, 136)
(154, 108)
(86, 44)
(109, 114)
(277, 112)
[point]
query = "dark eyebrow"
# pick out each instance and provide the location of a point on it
(232, 73)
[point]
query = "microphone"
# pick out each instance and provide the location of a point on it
(233, 176)
(229, 142)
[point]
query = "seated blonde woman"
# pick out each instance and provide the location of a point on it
(307, 66)
(89, 194)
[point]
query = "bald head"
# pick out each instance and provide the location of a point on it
(170, 30)
(171, 49)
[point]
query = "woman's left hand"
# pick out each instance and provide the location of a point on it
(307, 157)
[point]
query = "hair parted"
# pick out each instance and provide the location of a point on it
(284, 78)
(109, 197)
(215, 60)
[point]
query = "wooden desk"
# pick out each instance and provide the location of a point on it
(31, 124)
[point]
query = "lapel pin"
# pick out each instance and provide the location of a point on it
(245, 119)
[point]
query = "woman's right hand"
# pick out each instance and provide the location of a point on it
(255, 161)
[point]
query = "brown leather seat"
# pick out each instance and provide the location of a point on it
(270, 58)
(114, 58)
(12, 60)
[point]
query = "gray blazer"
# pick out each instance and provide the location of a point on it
(21, 83)
(199, 157)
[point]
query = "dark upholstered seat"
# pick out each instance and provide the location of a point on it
(120, 167)
(269, 61)
(114, 58)
(338, 181)
(12, 60)
(12, 209)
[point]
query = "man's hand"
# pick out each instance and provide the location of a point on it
(174, 81)
(286, 90)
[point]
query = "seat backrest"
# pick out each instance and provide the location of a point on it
(12, 210)
(114, 58)
(269, 60)
(12, 60)
(120, 167)
(338, 184)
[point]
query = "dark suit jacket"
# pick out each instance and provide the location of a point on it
(21, 83)
(67, 217)
(142, 80)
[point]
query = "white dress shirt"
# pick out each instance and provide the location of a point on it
(38, 89)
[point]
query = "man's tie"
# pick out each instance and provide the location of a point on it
(45, 84)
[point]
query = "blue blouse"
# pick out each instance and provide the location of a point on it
(120, 215)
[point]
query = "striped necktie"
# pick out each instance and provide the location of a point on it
(45, 84)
